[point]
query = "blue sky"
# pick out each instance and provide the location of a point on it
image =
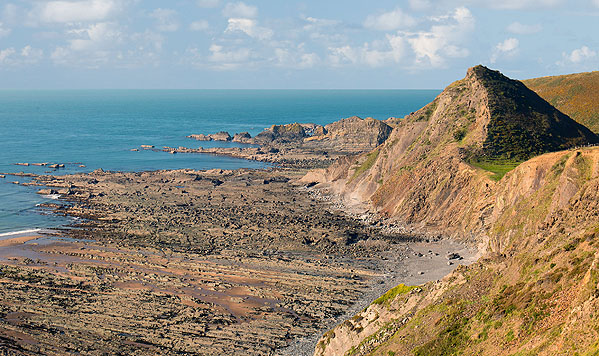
(289, 44)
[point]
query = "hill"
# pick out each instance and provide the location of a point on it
(440, 157)
(535, 292)
(577, 95)
(442, 172)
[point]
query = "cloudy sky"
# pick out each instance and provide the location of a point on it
(289, 43)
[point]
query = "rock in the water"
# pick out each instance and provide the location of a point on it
(242, 137)
(200, 137)
(221, 136)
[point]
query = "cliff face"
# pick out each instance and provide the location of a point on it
(352, 135)
(443, 171)
(347, 136)
(536, 293)
(576, 95)
(432, 173)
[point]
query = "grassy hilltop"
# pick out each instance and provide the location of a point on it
(576, 95)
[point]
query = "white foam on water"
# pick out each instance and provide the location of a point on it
(12, 234)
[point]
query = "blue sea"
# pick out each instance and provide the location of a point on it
(98, 129)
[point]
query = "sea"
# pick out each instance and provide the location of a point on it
(99, 129)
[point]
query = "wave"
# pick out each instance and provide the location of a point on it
(20, 233)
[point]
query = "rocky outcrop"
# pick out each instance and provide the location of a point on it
(200, 137)
(242, 137)
(442, 171)
(434, 166)
(287, 134)
(219, 136)
(536, 290)
(351, 135)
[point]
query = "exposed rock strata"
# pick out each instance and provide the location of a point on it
(536, 290)
(302, 145)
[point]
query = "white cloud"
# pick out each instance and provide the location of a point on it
(443, 40)
(208, 3)
(389, 21)
(74, 11)
(27, 55)
(508, 47)
(580, 55)
(420, 5)
(596, 2)
(521, 29)
(296, 58)
(5, 54)
(166, 19)
(228, 59)
(519, 4)
(201, 25)
(4, 31)
(324, 31)
(29, 51)
(249, 27)
(240, 10)
(375, 54)
(95, 37)
(31, 55)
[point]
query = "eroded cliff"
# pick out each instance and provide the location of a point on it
(443, 171)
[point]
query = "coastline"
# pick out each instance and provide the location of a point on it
(258, 238)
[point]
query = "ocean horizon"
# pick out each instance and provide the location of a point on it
(97, 128)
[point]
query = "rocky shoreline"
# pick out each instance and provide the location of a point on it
(249, 261)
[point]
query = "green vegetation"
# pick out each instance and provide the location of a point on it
(452, 338)
(459, 134)
(499, 168)
(522, 124)
(576, 95)
(367, 164)
(392, 293)
(428, 112)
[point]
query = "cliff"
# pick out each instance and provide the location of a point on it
(436, 171)
(351, 135)
(577, 95)
(470, 165)
(536, 292)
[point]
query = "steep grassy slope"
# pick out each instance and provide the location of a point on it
(535, 293)
(576, 95)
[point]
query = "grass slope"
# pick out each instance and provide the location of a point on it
(576, 95)
(522, 124)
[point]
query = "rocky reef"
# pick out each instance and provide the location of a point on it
(301, 145)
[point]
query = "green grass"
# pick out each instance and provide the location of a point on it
(499, 168)
(368, 163)
(392, 293)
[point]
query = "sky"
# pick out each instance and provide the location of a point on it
(288, 44)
